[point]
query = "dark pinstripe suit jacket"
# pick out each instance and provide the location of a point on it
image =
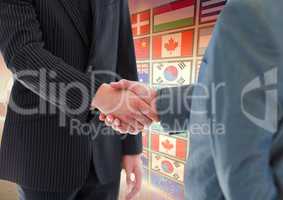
(50, 34)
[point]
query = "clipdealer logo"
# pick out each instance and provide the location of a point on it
(270, 121)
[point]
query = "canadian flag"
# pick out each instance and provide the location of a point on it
(173, 45)
(169, 145)
(141, 23)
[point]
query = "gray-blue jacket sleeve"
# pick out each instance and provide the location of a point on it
(173, 106)
(245, 57)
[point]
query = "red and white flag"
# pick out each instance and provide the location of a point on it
(173, 45)
(141, 23)
(168, 145)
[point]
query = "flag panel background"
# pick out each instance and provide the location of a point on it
(173, 189)
(204, 38)
(171, 43)
(145, 158)
(145, 139)
(174, 15)
(168, 167)
(139, 5)
(210, 10)
(143, 72)
(142, 47)
(141, 23)
(169, 145)
(172, 73)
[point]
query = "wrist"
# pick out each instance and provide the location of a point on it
(98, 98)
(134, 156)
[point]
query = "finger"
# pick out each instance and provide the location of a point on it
(122, 84)
(108, 124)
(133, 131)
(143, 119)
(127, 130)
(119, 129)
(125, 124)
(102, 117)
(124, 128)
(138, 178)
(148, 111)
(120, 126)
(142, 91)
(109, 120)
(132, 121)
(112, 121)
(132, 194)
(117, 122)
(140, 114)
(137, 184)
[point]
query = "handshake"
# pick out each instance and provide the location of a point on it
(126, 106)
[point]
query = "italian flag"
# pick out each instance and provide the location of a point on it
(174, 15)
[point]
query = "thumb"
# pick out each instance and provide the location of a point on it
(148, 111)
(122, 84)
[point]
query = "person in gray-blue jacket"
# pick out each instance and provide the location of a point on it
(235, 119)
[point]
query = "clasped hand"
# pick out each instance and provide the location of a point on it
(126, 106)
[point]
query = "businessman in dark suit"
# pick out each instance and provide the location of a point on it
(55, 50)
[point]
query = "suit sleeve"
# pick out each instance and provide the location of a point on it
(127, 69)
(174, 107)
(22, 46)
(242, 58)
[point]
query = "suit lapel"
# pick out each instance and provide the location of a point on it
(74, 14)
(96, 11)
